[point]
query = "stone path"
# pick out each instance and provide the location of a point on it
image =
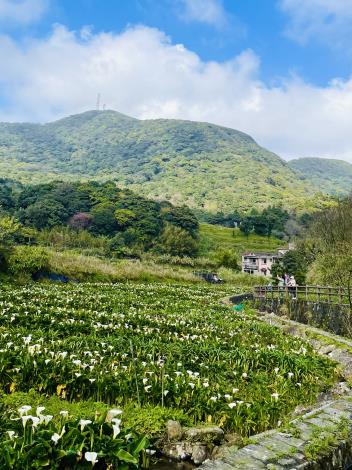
(320, 439)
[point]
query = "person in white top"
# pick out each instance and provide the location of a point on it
(292, 286)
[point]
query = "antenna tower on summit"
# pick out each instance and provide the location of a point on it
(98, 102)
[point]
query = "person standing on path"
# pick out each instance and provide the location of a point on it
(292, 284)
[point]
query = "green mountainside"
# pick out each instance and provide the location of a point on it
(199, 164)
(332, 176)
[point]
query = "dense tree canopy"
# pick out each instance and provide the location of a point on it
(102, 209)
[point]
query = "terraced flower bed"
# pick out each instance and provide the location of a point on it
(154, 346)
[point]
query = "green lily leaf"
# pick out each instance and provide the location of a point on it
(126, 457)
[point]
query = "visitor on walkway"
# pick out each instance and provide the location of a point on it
(287, 279)
(292, 284)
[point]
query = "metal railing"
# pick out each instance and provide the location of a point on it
(315, 294)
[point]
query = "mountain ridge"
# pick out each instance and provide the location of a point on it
(334, 175)
(205, 166)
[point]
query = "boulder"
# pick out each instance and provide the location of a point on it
(204, 435)
(193, 444)
(176, 451)
(184, 450)
(199, 453)
(174, 430)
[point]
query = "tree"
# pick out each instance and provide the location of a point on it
(291, 263)
(9, 229)
(181, 217)
(334, 268)
(124, 217)
(44, 213)
(81, 221)
(176, 241)
(260, 225)
(246, 226)
(328, 247)
(228, 259)
(7, 201)
(104, 220)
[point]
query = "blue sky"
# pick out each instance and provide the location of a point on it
(277, 69)
(260, 25)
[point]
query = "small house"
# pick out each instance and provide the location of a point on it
(261, 263)
(258, 263)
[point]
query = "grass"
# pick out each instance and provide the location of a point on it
(91, 268)
(214, 238)
(98, 269)
(149, 420)
(325, 439)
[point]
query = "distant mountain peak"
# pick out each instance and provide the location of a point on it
(333, 176)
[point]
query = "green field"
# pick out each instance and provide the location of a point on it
(215, 237)
(153, 351)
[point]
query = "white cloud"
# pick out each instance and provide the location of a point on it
(141, 73)
(211, 12)
(21, 11)
(328, 21)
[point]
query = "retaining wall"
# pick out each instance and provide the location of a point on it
(331, 317)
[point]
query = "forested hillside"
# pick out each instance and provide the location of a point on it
(95, 214)
(198, 164)
(332, 176)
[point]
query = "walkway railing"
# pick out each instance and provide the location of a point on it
(314, 294)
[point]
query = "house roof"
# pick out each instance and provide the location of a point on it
(260, 255)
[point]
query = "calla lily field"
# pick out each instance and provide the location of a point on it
(175, 347)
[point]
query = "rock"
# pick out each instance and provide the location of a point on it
(234, 440)
(326, 349)
(184, 450)
(223, 452)
(205, 435)
(195, 444)
(341, 389)
(199, 453)
(176, 451)
(174, 430)
(300, 410)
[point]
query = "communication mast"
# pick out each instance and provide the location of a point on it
(98, 102)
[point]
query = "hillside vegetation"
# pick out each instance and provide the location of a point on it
(198, 164)
(332, 176)
(214, 238)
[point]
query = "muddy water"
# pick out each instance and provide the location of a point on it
(166, 464)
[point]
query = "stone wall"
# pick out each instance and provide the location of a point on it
(330, 317)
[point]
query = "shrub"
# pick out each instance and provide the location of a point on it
(151, 420)
(176, 241)
(27, 260)
(227, 259)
